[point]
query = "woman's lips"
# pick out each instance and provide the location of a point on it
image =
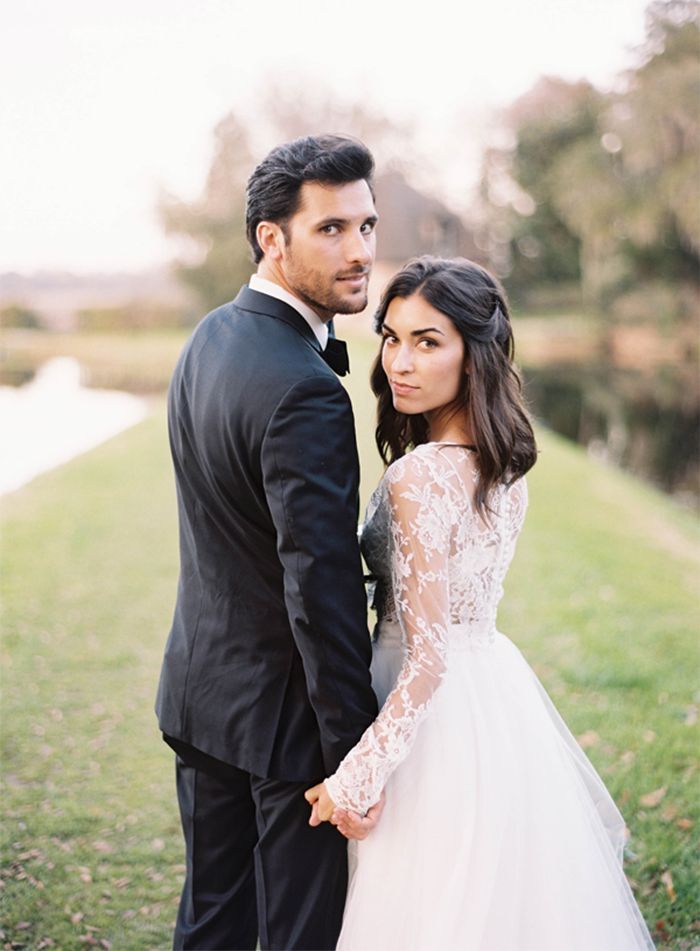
(402, 389)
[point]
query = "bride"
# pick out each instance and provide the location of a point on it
(497, 831)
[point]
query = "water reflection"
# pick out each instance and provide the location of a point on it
(53, 418)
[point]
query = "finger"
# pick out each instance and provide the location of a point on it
(311, 795)
(313, 818)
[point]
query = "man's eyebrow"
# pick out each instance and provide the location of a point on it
(372, 219)
(415, 333)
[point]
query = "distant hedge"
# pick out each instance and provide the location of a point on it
(137, 315)
(15, 315)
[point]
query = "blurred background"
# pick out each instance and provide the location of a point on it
(555, 142)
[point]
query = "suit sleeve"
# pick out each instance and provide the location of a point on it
(311, 476)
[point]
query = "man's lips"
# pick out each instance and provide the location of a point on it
(359, 277)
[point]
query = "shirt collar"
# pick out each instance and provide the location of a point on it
(263, 286)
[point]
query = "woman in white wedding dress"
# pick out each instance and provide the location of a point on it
(497, 832)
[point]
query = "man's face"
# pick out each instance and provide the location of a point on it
(328, 247)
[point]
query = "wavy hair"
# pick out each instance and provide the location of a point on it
(491, 394)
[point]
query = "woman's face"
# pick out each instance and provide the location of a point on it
(422, 356)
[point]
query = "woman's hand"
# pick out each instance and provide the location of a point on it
(353, 826)
(322, 806)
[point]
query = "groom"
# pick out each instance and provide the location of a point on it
(265, 683)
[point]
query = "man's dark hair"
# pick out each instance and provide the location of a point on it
(274, 187)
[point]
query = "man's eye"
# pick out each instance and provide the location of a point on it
(330, 229)
(367, 227)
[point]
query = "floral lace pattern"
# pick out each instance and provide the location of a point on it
(440, 570)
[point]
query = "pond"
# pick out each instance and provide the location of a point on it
(53, 418)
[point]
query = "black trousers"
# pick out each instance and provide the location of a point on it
(254, 866)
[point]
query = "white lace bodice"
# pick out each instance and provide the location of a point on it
(440, 570)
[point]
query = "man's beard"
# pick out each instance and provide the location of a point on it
(330, 303)
(318, 292)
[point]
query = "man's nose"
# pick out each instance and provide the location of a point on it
(360, 247)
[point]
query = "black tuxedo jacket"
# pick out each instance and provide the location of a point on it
(267, 663)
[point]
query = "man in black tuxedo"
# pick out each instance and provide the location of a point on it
(265, 683)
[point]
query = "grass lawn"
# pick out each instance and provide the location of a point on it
(602, 598)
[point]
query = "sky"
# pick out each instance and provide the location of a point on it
(106, 104)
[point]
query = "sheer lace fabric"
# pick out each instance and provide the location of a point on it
(440, 570)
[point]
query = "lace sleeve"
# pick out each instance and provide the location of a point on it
(421, 515)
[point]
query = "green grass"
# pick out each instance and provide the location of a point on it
(602, 599)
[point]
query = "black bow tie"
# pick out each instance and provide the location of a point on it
(336, 356)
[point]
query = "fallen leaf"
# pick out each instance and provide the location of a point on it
(23, 925)
(653, 798)
(667, 879)
(669, 812)
(77, 918)
(102, 846)
(628, 757)
(691, 715)
(157, 845)
(588, 739)
(685, 824)
(649, 736)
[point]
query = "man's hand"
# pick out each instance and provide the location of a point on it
(357, 827)
(322, 806)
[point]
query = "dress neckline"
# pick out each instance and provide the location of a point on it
(457, 445)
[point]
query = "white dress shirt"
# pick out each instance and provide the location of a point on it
(263, 286)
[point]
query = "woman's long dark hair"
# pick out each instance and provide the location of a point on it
(476, 304)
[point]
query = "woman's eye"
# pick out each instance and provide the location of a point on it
(389, 338)
(428, 343)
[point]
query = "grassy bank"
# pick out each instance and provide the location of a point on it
(602, 599)
(140, 362)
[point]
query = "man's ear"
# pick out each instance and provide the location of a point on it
(271, 240)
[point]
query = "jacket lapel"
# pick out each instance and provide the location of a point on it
(272, 307)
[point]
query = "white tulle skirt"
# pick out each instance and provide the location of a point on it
(498, 834)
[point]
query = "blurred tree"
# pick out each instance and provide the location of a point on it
(639, 217)
(521, 181)
(605, 188)
(17, 315)
(216, 259)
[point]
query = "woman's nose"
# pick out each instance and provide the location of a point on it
(403, 361)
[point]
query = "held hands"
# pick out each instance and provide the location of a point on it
(351, 825)
(322, 806)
